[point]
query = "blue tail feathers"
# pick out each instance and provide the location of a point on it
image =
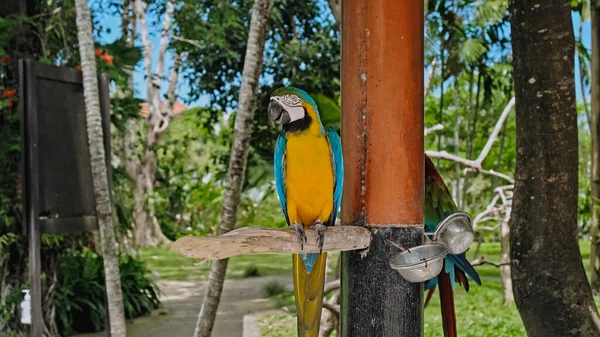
(462, 263)
(309, 261)
(450, 262)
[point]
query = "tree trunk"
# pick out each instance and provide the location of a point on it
(147, 228)
(336, 10)
(595, 130)
(99, 170)
(549, 282)
(239, 156)
(507, 288)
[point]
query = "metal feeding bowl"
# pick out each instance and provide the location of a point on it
(455, 232)
(420, 263)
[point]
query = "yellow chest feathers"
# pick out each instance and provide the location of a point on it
(309, 178)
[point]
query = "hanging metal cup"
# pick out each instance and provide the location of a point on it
(420, 263)
(453, 236)
(455, 233)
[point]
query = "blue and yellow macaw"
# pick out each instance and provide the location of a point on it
(439, 205)
(309, 175)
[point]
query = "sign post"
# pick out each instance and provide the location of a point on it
(57, 192)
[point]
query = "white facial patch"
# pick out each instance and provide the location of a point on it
(292, 104)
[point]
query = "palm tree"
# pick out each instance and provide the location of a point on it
(99, 170)
(239, 156)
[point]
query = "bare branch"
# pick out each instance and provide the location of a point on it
(334, 308)
(331, 286)
(182, 39)
(475, 165)
(448, 156)
(140, 12)
(164, 43)
(436, 127)
(256, 240)
(481, 261)
(172, 90)
(429, 79)
(488, 210)
(492, 173)
(497, 128)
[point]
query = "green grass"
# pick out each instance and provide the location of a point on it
(172, 266)
(479, 312)
(278, 325)
(498, 320)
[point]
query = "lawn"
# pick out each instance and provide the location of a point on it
(498, 319)
(479, 312)
(172, 266)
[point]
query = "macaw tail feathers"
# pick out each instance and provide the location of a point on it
(308, 291)
(461, 262)
(447, 305)
(429, 295)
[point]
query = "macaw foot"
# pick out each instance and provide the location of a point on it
(299, 233)
(320, 228)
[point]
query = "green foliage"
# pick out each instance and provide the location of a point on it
(79, 294)
(251, 271)
(273, 288)
(187, 195)
(140, 294)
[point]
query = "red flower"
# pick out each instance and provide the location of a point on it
(108, 59)
(10, 103)
(5, 59)
(9, 93)
(79, 68)
(98, 52)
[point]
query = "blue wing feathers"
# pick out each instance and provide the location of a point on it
(335, 144)
(279, 168)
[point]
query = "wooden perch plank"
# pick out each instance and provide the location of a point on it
(258, 240)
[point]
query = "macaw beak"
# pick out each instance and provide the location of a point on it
(277, 113)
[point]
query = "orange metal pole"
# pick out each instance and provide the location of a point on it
(382, 136)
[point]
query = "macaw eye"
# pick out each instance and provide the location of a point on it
(291, 100)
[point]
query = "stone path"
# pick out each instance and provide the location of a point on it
(182, 299)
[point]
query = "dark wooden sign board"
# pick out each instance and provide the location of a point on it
(58, 194)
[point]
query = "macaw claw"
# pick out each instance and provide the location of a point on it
(299, 233)
(320, 228)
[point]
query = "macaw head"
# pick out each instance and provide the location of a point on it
(293, 108)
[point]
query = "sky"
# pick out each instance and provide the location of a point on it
(113, 23)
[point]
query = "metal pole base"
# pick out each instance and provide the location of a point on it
(375, 300)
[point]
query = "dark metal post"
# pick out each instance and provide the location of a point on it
(382, 136)
(31, 192)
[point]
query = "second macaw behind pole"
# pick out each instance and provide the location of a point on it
(309, 175)
(439, 205)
